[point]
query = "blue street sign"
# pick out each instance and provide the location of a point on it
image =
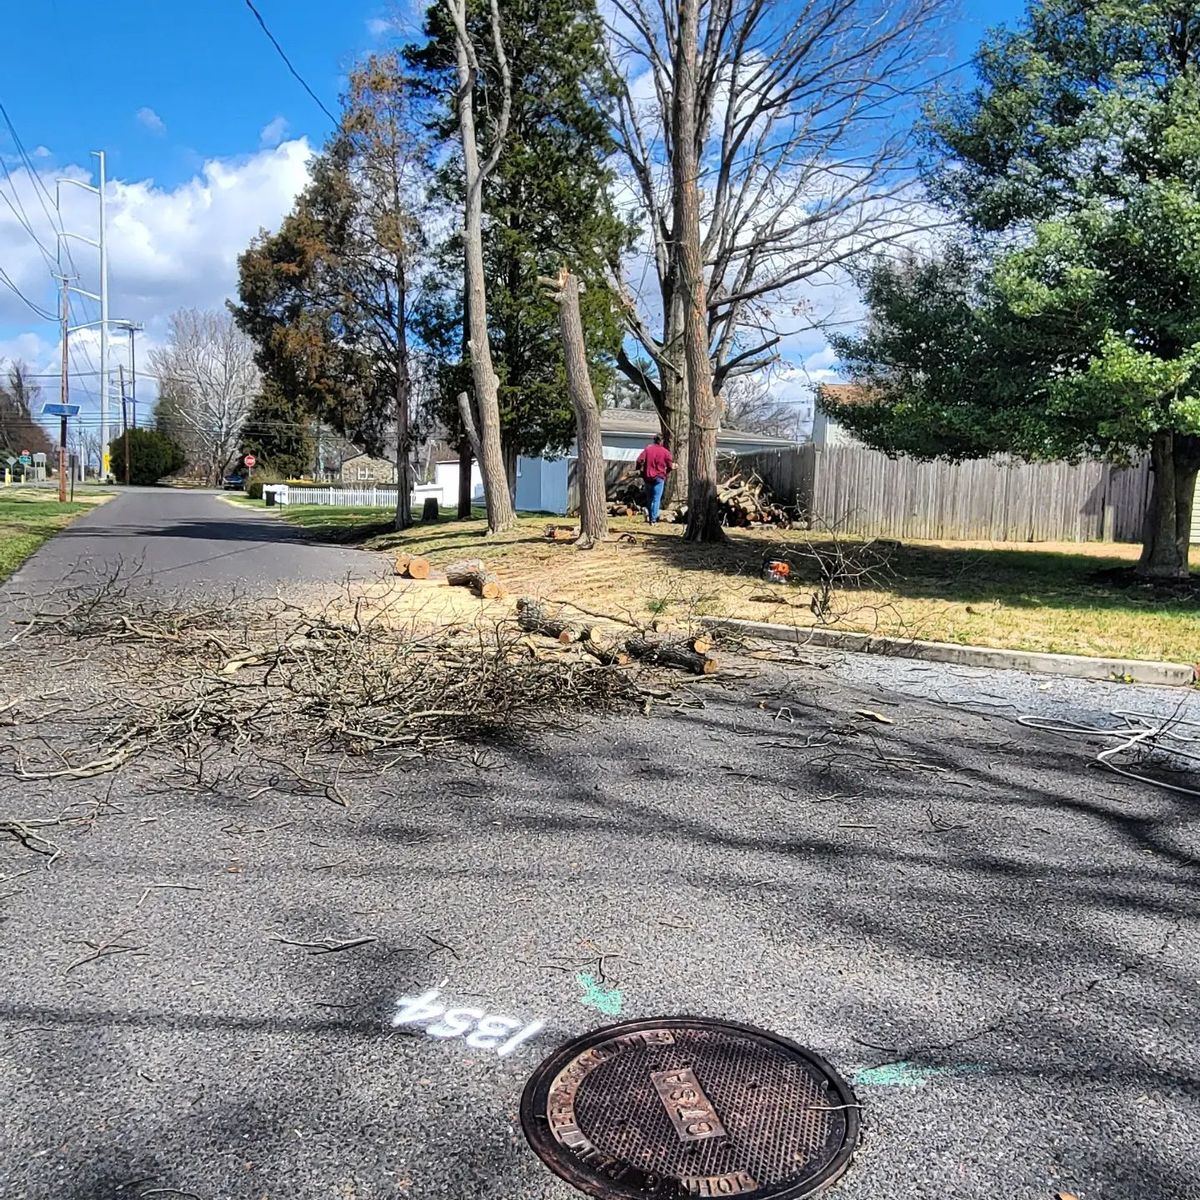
(60, 410)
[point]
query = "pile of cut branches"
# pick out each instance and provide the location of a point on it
(348, 680)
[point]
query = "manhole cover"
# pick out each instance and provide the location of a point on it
(685, 1106)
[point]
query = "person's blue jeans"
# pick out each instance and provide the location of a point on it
(654, 493)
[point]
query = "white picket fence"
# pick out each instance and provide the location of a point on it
(357, 497)
(336, 496)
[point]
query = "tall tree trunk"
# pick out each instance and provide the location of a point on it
(500, 511)
(465, 462)
(676, 421)
(1175, 460)
(704, 509)
(404, 479)
(589, 466)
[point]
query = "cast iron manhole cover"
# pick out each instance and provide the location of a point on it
(685, 1106)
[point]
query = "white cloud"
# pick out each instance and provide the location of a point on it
(377, 27)
(148, 118)
(39, 152)
(273, 132)
(169, 248)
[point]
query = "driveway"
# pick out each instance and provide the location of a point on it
(997, 943)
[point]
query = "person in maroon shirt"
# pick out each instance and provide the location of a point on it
(655, 464)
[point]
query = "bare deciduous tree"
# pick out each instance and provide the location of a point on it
(704, 508)
(751, 404)
(804, 162)
(207, 380)
(500, 511)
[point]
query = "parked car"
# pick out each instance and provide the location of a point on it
(235, 482)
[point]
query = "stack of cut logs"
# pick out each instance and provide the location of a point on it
(470, 573)
(627, 497)
(745, 503)
(687, 654)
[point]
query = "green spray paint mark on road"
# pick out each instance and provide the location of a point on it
(908, 1075)
(609, 1001)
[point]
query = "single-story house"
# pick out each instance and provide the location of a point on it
(826, 429)
(365, 468)
(543, 484)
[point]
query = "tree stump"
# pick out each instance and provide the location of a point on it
(471, 573)
(671, 654)
(429, 514)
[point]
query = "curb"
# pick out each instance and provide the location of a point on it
(1077, 666)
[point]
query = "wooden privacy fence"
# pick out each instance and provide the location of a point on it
(861, 491)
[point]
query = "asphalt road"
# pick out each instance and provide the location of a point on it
(997, 944)
(188, 541)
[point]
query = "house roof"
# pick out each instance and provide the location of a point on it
(843, 394)
(644, 423)
(363, 454)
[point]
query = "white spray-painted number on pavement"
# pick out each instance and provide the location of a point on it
(480, 1030)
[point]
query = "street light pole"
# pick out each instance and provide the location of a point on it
(63, 390)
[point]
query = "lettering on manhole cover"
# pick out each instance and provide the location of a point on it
(686, 1106)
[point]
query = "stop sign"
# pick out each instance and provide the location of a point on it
(249, 460)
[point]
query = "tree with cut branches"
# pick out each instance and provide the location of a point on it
(803, 164)
(589, 460)
(477, 166)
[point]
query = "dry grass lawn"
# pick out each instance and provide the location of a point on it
(1032, 597)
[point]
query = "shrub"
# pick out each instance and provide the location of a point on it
(152, 455)
(261, 478)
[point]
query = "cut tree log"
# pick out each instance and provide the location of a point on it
(412, 566)
(561, 533)
(609, 655)
(534, 617)
(701, 645)
(671, 654)
(472, 574)
(429, 514)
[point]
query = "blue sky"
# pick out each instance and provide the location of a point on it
(206, 135)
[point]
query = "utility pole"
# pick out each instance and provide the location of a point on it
(124, 425)
(133, 371)
(103, 314)
(63, 391)
(132, 328)
(102, 246)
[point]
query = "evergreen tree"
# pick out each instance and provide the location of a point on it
(328, 298)
(548, 205)
(278, 432)
(1068, 322)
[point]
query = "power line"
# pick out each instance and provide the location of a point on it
(41, 312)
(288, 62)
